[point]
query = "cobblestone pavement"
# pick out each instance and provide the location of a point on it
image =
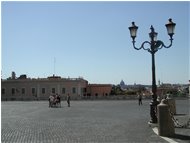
(84, 121)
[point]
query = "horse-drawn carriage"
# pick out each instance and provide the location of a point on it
(55, 101)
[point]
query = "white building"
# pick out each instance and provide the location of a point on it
(42, 88)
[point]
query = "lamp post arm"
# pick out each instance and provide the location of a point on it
(159, 44)
(142, 46)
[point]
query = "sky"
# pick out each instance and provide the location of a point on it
(92, 40)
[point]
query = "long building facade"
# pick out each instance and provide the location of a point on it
(41, 88)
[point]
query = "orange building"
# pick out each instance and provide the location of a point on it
(99, 89)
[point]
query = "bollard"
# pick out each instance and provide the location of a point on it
(165, 123)
(172, 106)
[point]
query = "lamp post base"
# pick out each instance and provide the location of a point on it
(153, 111)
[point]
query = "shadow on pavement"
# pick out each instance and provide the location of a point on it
(181, 137)
(180, 114)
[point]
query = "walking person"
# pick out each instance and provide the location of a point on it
(140, 99)
(68, 100)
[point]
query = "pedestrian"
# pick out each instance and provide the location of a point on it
(68, 100)
(140, 99)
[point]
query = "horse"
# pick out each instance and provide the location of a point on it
(54, 100)
(51, 101)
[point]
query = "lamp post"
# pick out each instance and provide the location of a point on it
(155, 45)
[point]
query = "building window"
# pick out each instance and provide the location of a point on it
(53, 90)
(84, 90)
(13, 91)
(3, 91)
(63, 90)
(74, 90)
(23, 90)
(43, 90)
(33, 90)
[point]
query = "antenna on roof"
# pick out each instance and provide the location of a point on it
(54, 67)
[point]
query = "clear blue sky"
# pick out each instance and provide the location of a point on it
(92, 40)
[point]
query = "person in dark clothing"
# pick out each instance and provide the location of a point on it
(140, 99)
(58, 100)
(68, 100)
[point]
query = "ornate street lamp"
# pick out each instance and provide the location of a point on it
(155, 45)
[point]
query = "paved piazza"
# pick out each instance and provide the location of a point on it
(84, 121)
